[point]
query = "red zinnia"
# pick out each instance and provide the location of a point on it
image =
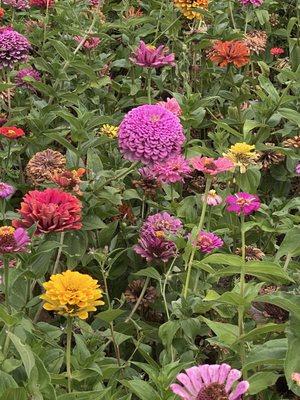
(276, 51)
(52, 210)
(2, 12)
(42, 3)
(11, 132)
(229, 52)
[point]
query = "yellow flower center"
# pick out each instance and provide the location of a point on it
(6, 231)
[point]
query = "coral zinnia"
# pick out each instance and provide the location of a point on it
(51, 210)
(14, 48)
(72, 294)
(89, 43)
(212, 166)
(210, 382)
(150, 134)
(234, 52)
(13, 240)
(242, 203)
(172, 105)
(276, 51)
(152, 57)
(44, 164)
(189, 7)
(11, 132)
(242, 155)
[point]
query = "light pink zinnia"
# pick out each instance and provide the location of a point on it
(296, 378)
(151, 57)
(242, 203)
(207, 242)
(210, 382)
(213, 199)
(6, 190)
(171, 105)
(212, 166)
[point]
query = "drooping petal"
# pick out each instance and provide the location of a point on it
(241, 389)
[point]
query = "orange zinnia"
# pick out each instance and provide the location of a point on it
(229, 52)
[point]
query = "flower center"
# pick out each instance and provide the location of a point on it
(243, 202)
(154, 118)
(7, 236)
(7, 231)
(160, 234)
(214, 391)
(204, 241)
(209, 164)
(10, 132)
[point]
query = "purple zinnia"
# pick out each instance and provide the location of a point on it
(297, 169)
(17, 4)
(152, 57)
(6, 190)
(242, 203)
(210, 382)
(153, 242)
(207, 242)
(14, 48)
(150, 134)
(13, 240)
(256, 3)
(27, 73)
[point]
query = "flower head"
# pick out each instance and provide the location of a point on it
(42, 3)
(296, 378)
(51, 210)
(2, 12)
(297, 169)
(23, 74)
(251, 253)
(13, 240)
(69, 180)
(212, 199)
(109, 130)
(207, 242)
(277, 51)
(150, 134)
(233, 52)
(270, 157)
(14, 48)
(242, 155)
(6, 190)
(292, 142)
(171, 105)
(11, 132)
(134, 290)
(190, 8)
(242, 203)
(210, 382)
(211, 166)
(89, 43)
(149, 56)
(153, 243)
(72, 294)
(256, 41)
(17, 4)
(256, 3)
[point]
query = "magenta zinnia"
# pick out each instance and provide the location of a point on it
(13, 240)
(206, 242)
(150, 134)
(6, 190)
(149, 56)
(27, 73)
(242, 203)
(210, 382)
(153, 243)
(14, 48)
(212, 166)
(256, 3)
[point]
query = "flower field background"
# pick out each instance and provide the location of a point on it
(149, 193)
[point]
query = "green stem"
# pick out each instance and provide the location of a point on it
(6, 281)
(241, 309)
(68, 352)
(120, 175)
(149, 85)
(199, 228)
(287, 261)
(231, 14)
(139, 299)
(3, 211)
(8, 155)
(61, 242)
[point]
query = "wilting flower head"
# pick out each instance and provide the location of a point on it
(212, 199)
(189, 7)
(42, 3)
(153, 243)
(210, 382)
(89, 43)
(69, 180)
(27, 73)
(150, 56)
(242, 203)
(44, 164)
(292, 142)
(14, 48)
(256, 41)
(229, 52)
(256, 3)
(150, 134)
(171, 105)
(212, 166)
(276, 51)
(207, 242)
(251, 253)
(270, 157)
(132, 12)
(6, 190)
(11, 132)
(134, 290)
(17, 4)
(297, 169)
(13, 240)
(72, 294)
(51, 210)
(242, 155)
(296, 378)
(109, 130)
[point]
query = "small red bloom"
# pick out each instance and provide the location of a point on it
(229, 52)
(11, 132)
(276, 51)
(2, 12)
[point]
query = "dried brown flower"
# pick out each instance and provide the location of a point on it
(274, 19)
(69, 180)
(44, 164)
(134, 290)
(270, 310)
(293, 142)
(195, 183)
(256, 41)
(149, 186)
(125, 213)
(270, 157)
(131, 12)
(252, 253)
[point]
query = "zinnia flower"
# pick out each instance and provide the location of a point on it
(296, 378)
(151, 57)
(13, 240)
(251, 253)
(297, 169)
(229, 52)
(89, 43)
(292, 142)
(256, 41)
(51, 210)
(14, 48)
(27, 73)
(150, 134)
(2, 12)
(171, 105)
(72, 294)
(6, 190)
(276, 51)
(109, 130)
(242, 203)
(17, 4)
(242, 155)
(134, 290)
(213, 199)
(11, 132)
(189, 7)
(256, 3)
(207, 242)
(44, 164)
(212, 166)
(153, 242)
(69, 180)
(42, 3)
(210, 382)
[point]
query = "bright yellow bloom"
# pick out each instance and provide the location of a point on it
(109, 130)
(189, 7)
(72, 294)
(242, 155)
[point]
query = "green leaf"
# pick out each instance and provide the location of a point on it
(96, 394)
(292, 360)
(14, 394)
(223, 259)
(271, 353)
(249, 181)
(62, 50)
(25, 353)
(290, 115)
(262, 330)
(109, 315)
(149, 272)
(6, 382)
(290, 244)
(268, 87)
(143, 390)
(61, 140)
(167, 331)
(261, 381)
(226, 333)
(8, 319)
(287, 301)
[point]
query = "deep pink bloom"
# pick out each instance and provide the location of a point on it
(90, 43)
(210, 382)
(213, 199)
(149, 56)
(256, 3)
(6, 190)
(13, 240)
(14, 48)
(207, 242)
(171, 105)
(297, 169)
(242, 203)
(17, 4)
(94, 3)
(150, 134)
(153, 243)
(212, 166)
(27, 73)
(276, 51)
(42, 3)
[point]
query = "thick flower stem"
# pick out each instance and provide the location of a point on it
(231, 14)
(241, 309)
(149, 81)
(61, 242)
(6, 282)
(139, 300)
(199, 228)
(68, 352)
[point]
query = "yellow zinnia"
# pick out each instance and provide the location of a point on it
(242, 155)
(72, 294)
(189, 7)
(109, 130)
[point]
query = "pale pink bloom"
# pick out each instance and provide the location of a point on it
(89, 43)
(212, 166)
(296, 378)
(171, 105)
(213, 199)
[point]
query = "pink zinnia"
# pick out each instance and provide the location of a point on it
(89, 43)
(27, 73)
(297, 169)
(13, 240)
(256, 3)
(17, 4)
(296, 378)
(171, 105)
(212, 166)
(151, 57)
(212, 199)
(150, 134)
(42, 3)
(14, 48)
(210, 382)
(153, 243)
(242, 203)
(276, 51)
(6, 190)
(207, 242)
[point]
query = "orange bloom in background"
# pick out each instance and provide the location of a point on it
(11, 132)
(2, 12)
(234, 52)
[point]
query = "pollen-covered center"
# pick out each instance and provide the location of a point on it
(7, 236)
(215, 391)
